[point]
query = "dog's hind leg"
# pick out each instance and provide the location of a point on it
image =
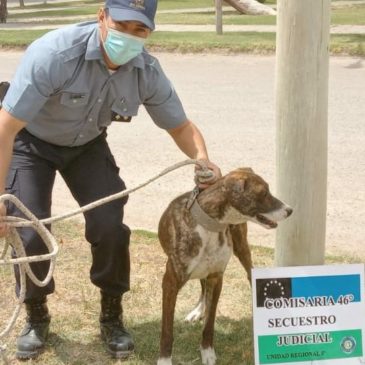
(170, 289)
(241, 249)
(198, 312)
(213, 290)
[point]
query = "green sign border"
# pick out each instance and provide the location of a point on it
(343, 345)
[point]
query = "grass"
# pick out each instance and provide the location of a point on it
(55, 5)
(71, 11)
(184, 4)
(349, 15)
(351, 44)
(74, 337)
(208, 41)
(162, 4)
(232, 42)
(354, 15)
(229, 18)
(198, 42)
(19, 38)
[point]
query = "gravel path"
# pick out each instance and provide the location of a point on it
(236, 113)
(33, 23)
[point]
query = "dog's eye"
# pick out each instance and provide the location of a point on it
(265, 194)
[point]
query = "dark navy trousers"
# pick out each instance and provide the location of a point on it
(90, 173)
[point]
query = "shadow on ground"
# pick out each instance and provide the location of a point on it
(233, 345)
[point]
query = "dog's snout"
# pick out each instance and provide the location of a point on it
(289, 211)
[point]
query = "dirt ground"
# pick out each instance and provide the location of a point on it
(232, 99)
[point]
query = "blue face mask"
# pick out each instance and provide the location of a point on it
(122, 47)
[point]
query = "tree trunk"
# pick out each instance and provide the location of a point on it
(21, 4)
(3, 11)
(218, 17)
(251, 7)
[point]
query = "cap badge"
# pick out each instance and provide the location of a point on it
(137, 4)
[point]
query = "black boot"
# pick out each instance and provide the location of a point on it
(119, 342)
(31, 341)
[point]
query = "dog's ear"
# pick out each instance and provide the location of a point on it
(247, 169)
(234, 183)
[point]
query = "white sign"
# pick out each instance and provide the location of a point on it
(309, 315)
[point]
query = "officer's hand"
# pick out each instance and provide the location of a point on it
(205, 178)
(3, 227)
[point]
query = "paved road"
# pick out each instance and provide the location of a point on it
(231, 98)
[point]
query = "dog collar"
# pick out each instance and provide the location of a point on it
(205, 220)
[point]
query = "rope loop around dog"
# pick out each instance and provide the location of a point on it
(23, 261)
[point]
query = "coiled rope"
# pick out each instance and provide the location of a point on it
(22, 260)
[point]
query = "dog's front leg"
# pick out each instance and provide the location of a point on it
(170, 288)
(213, 290)
(241, 249)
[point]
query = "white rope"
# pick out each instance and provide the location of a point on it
(23, 261)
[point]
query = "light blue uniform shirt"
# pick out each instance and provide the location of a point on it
(65, 93)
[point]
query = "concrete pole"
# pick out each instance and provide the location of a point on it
(301, 137)
(218, 17)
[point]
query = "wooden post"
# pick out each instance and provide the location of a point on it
(218, 17)
(301, 137)
(3, 11)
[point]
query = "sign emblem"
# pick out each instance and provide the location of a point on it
(348, 345)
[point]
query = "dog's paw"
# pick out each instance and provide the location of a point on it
(194, 316)
(208, 356)
(164, 361)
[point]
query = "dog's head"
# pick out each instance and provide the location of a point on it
(248, 198)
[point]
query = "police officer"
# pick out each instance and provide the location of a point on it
(69, 86)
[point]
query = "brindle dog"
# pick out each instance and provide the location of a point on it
(200, 247)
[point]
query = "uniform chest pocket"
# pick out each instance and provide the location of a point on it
(123, 111)
(74, 99)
